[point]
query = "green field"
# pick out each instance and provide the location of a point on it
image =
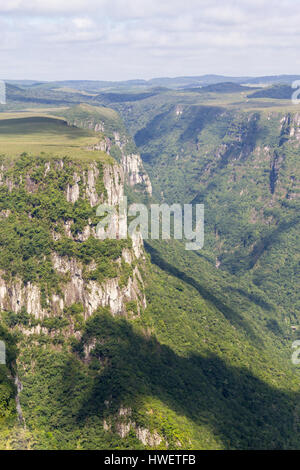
(36, 135)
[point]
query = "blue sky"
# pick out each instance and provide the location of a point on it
(126, 39)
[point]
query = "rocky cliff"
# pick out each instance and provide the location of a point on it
(116, 141)
(60, 270)
(84, 186)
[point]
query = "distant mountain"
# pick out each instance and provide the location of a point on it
(107, 98)
(194, 81)
(25, 83)
(288, 79)
(168, 82)
(204, 80)
(40, 95)
(95, 85)
(280, 92)
(225, 87)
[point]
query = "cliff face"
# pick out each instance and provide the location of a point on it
(59, 275)
(135, 173)
(84, 187)
(116, 142)
(132, 164)
(64, 286)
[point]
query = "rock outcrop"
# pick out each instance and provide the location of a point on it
(16, 295)
(134, 171)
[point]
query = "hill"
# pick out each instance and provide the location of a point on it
(224, 87)
(41, 134)
(278, 92)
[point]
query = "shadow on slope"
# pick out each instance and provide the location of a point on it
(234, 317)
(242, 410)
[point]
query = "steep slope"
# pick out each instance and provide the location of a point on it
(117, 143)
(55, 271)
(244, 165)
(112, 348)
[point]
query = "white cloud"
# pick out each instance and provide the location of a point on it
(148, 37)
(83, 23)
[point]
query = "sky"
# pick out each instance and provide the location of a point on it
(127, 39)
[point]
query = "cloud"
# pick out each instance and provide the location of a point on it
(147, 37)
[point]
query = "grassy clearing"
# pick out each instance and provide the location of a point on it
(29, 113)
(86, 111)
(38, 135)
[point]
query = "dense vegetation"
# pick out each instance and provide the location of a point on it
(207, 363)
(243, 166)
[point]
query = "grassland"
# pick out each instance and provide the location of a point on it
(36, 135)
